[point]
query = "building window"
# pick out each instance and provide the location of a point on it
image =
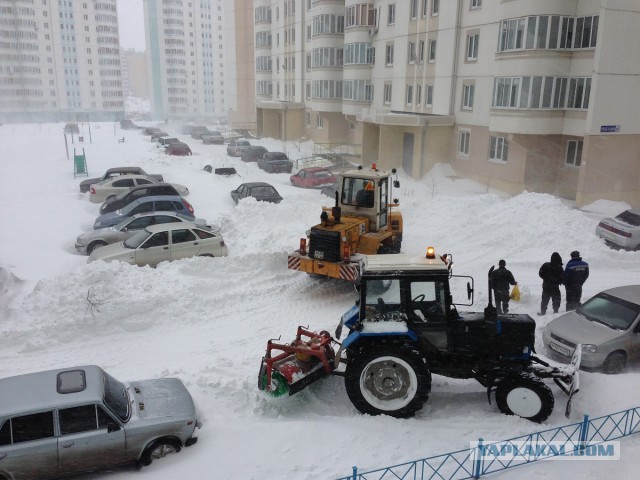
(463, 143)
(421, 51)
(319, 121)
(542, 92)
(475, 4)
(428, 101)
(389, 54)
(467, 97)
(435, 7)
(573, 155)
(432, 51)
(498, 148)
(391, 14)
(414, 9)
(548, 32)
(419, 95)
(308, 119)
(409, 94)
(472, 47)
(412, 52)
(387, 94)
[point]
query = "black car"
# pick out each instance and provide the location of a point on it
(275, 162)
(263, 192)
(119, 201)
(150, 130)
(253, 153)
(114, 172)
(198, 131)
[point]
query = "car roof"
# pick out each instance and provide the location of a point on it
(134, 176)
(316, 169)
(402, 262)
(256, 147)
(124, 169)
(159, 212)
(630, 293)
(256, 184)
(32, 392)
(150, 198)
(164, 227)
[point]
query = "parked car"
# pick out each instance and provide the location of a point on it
(275, 162)
(71, 128)
(236, 147)
(156, 135)
(59, 422)
(607, 326)
(164, 203)
(163, 243)
(113, 187)
(313, 177)
(213, 137)
(165, 141)
(330, 190)
(186, 129)
(623, 231)
(150, 130)
(114, 172)
(128, 125)
(179, 149)
(198, 131)
(263, 192)
(159, 188)
(87, 242)
(252, 153)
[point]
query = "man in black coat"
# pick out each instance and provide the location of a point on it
(552, 276)
(500, 281)
(575, 274)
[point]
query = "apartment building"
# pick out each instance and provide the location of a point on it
(520, 95)
(134, 73)
(59, 60)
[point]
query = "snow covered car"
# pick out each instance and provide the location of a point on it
(116, 202)
(89, 241)
(66, 421)
(236, 147)
(179, 149)
(114, 172)
(623, 231)
(163, 203)
(313, 177)
(166, 141)
(263, 192)
(213, 137)
(275, 162)
(156, 135)
(607, 326)
(163, 243)
(99, 192)
(253, 153)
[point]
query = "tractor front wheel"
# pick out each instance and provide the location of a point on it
(525, 396)
(388, 380)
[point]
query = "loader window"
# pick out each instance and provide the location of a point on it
(358, 192)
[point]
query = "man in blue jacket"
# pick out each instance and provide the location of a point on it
(575, 274)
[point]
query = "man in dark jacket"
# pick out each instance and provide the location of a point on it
(575, 274)
(552, 276)
(500, 281)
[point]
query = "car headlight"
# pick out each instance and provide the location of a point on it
(80, 241)
(589, 348)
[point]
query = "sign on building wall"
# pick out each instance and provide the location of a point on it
(610, 128)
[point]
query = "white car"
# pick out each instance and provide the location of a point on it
(162, 243)
(99, 192)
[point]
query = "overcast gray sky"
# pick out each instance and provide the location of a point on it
(131, 24)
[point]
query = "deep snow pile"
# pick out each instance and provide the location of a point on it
(207, 321)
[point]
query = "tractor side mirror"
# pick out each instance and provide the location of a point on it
(396, 184)
(469, 291)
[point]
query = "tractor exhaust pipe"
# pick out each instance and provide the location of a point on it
(336, 211)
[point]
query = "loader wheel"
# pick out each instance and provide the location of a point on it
(279, 385)
(388, 379)
(525, 396)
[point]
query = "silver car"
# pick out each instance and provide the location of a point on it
(607, 326)
(162, 243)
(66, 421)
(112, 187)
(623, 231)
(89, 241)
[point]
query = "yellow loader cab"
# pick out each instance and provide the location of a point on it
(364, 221)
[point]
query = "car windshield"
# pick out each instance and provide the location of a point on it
(323, 175)
(629, 217)
(611, 311)
(123, 223)
(136, 239)
(116, 397)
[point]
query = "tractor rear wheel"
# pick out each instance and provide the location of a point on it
(388, 380)
(525, 396)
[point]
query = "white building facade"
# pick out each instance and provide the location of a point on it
(60, 60)
(521, 95)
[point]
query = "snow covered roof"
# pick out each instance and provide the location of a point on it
(402, 261)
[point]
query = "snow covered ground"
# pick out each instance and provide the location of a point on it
(207, 321)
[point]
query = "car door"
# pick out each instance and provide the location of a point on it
(184, 244)
(154, 250)
(28, 446)
(89, 438)
(166, 206)
(118, 185)
(143, 181)
(143, 207)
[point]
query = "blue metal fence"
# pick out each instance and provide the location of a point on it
(488, 458)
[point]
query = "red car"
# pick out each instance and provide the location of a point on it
(313, 177)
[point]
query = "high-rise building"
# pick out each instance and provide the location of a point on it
(60, 60)
(520, 95)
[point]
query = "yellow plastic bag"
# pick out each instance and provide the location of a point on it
(515, 293)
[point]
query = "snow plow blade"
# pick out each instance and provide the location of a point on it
(289, 368)
(567, 377)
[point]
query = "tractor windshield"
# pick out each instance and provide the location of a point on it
(358, 192)
(382, 298)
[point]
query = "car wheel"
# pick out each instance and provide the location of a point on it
(388, 380)
(614, 363)
(94, 246)
(160, 449)
(206, 255)
(525, 396)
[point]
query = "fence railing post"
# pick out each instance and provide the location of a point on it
(355, 473)
(477, 469)
(584, 431)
